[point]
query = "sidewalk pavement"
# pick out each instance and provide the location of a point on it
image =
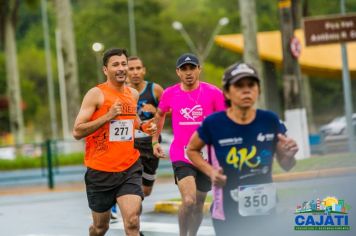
(172, 207)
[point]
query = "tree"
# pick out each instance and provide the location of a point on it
(249, 30)
(65, 25)
(9, 12)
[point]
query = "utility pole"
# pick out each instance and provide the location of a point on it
(299, 8)
(347, 90)
(249, 30)
(295, 114)
(291, 70)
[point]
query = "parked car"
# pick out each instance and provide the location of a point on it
(337, 126)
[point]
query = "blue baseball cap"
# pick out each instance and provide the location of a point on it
(187, 58)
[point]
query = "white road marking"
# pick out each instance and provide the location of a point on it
(44, 235)
(162, 228)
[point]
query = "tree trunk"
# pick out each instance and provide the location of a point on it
(249, 30)
(12, 77)
(307, 98)
(64, 23)
(291, 70)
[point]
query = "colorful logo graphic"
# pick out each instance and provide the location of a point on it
(238, 158)
(327, 214)
(192, 113)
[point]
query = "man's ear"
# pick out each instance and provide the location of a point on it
(177, 71)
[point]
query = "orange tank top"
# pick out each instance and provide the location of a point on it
(111, 147)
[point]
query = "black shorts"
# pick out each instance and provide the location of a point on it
(182, 169)
(104, 187)
(148, 159)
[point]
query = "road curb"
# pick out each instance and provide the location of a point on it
(171, 207)
(312, 174)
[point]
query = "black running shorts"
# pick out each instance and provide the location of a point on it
(148, 159)
(182, 169)
(104, 187)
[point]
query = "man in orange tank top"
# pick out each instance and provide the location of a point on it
(107, 119)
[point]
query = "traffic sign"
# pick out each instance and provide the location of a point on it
(330, 29)
(295, 47)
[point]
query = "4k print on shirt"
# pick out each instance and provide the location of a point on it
(243, 156)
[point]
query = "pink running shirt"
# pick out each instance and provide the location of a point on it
(189, 109)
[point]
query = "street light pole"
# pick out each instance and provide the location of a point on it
(347, 91)
(98, 48)
(130, 6)
(179, 27)
(202, 55)
(222, 22)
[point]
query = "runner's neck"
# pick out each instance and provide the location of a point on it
(188, 88)
(240, 116)
(139, 87)
(119, 87)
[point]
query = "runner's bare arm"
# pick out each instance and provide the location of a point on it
(159, 119)
(135, 95)
(91, 102)
(149, 126)
(149, 108)
(194, 153)
(157, 91)
(286, 150)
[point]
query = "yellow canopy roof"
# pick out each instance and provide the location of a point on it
(321, 60)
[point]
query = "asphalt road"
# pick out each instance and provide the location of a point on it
(66, 213)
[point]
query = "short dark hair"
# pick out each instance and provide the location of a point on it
(132, 58)
(113, 52)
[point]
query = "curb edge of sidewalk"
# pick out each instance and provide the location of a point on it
(171, 207)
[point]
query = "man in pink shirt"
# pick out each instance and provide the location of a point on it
(189, 101)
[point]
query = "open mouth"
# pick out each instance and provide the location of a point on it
(120, 75)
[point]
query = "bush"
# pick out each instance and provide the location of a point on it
(23, 162)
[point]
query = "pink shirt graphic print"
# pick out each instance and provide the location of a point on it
(189, 109)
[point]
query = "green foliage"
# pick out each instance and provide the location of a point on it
(20, 163)
(98, 21)
(71, 159)
(326, 94)
(29, 162)
(33, 78)
(319, 7)
(212, 74)
(270, 21)
(159, 45)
